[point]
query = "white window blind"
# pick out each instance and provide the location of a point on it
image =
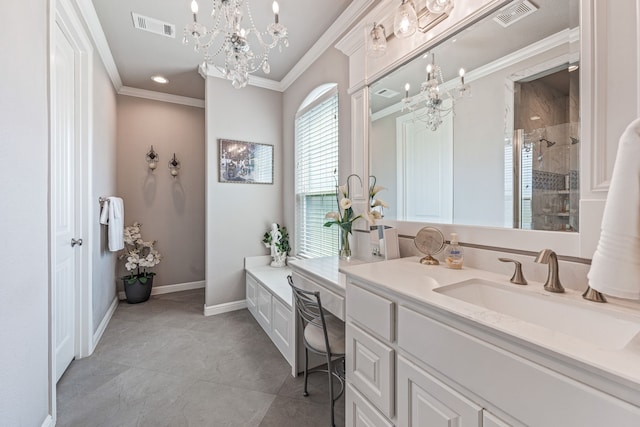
(316, 170)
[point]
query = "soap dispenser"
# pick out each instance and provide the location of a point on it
(453, 255)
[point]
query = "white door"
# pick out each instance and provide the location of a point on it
(65, 253)
(425, 169)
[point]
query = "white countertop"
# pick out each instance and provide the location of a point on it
(325, 270)
(407, 278)
(275, 278)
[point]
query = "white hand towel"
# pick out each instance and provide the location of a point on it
(113, 215)
(615, 268)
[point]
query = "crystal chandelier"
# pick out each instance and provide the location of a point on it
(432, 94)
(241, 57)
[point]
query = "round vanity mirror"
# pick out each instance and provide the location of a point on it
(429, 241)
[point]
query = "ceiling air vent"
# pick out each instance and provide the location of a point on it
(387, 93)
(514, 12)
(153, 25)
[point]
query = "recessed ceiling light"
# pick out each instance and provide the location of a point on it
(160, 79)
(534, 118)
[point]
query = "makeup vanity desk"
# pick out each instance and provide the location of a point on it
(270, 300)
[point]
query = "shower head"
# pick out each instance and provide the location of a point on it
(549, 143)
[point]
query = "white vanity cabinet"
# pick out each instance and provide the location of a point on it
(269, 300)
(413, 364)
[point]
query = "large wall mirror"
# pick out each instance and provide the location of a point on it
(497, 147)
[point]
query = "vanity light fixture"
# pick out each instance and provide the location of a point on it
(152, 159)
(174, 165)
(377, 41)
(405, 21)
(428, 104)
(439, 6)
(245, 48)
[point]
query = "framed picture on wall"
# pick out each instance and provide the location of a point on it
(245, 162)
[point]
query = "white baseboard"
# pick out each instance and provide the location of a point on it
(48, 422)
(167, 289)
(97, 335)
(225, 307)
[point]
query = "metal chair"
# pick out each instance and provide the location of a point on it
(323, 335)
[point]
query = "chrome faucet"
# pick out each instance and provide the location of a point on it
(547, 256)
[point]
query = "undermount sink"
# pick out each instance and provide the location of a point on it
(606, 330)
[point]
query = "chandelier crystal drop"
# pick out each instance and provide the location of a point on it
(245, 48)
(428, 106)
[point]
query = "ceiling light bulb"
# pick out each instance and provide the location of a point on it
(461, 72)
(160, 79)
(405, 21)
(439, 6)
(275, 7)
(194, 6)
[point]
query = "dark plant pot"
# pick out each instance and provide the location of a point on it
(136, 291)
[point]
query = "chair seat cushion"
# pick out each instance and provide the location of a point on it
(335, 330)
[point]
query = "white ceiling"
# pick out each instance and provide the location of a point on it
(139, 54)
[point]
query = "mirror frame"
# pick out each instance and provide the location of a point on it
(364, 71)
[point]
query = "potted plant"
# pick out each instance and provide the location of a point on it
(277, 239)
(140, 255)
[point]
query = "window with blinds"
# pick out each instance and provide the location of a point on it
(316, 173)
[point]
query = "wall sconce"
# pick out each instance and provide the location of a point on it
(376, 41)
(405, 21)
(439, 6)
(174, 165)
(152, 159)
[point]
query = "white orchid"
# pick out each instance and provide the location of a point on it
(345, 203)
(379, 202)
(139, 253)
(375, 190)
(332, 215)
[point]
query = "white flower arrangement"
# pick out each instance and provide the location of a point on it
(376, 205)
(139, 254)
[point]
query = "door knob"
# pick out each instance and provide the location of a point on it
(76, 242)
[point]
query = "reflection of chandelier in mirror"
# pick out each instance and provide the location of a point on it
(241, 58)
(433, 92)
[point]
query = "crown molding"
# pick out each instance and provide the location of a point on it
(90, 17)
(342, 24)
(159, 96)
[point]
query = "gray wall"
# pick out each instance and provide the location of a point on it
(331, 67)
(103, 179)
(239, 214)
(171, 210)
(24, 148)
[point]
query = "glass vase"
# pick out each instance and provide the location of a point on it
(345, 246)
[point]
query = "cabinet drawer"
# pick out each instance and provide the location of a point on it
(423, 400)
(371, 310)
(361, 413)
(493, 373)
(331, 301)
(370, 368)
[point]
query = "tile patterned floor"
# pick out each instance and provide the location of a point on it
(163, 363)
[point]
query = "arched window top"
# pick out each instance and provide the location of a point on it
(324, 90)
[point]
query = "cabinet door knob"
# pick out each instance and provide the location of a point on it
(76, 242)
